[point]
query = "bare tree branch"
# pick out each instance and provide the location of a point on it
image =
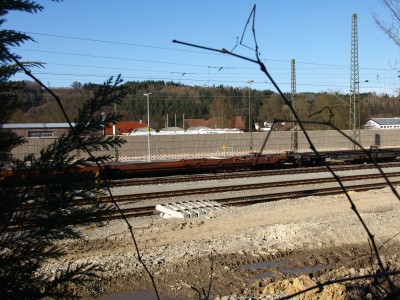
(391, 28)
(311, 144)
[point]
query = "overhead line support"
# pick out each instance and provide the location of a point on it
(293, 125)
(354, 120)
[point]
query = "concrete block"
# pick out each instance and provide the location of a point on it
(187, 209)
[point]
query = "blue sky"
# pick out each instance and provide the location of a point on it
(90, 40)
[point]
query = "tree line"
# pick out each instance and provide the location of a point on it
(171, 102)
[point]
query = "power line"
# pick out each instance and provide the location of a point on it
(189, 51)
(302, 66)
(187, 79)
(120, 58)
(321, 67)
(206, 73)
(120, 43)
(236, 74)
(181, 64)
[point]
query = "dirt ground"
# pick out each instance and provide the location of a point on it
(264, 251)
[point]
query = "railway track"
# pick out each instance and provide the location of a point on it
(238, 174)
(243, 187)
(253, 199)
(142, 211)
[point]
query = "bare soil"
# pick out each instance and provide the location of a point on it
(263, 251)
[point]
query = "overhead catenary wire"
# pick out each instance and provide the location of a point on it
(113, 57)
(226, 68)
(233, 79)
(327, 74)
(118, 43)
(318, 65)
(326, 82)
(235, 74)
(200, 81)
(194, 51)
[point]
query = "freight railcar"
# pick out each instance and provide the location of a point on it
(117, 169)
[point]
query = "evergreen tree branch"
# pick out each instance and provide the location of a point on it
(103, 93)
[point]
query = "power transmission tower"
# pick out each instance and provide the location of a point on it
(354, 121)
(293, 126)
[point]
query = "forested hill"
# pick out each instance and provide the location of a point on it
(174, 101)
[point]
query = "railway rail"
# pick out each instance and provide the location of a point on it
(235, 200)
(242, 187)
(253, 199)
(247, 174)
(144, 211)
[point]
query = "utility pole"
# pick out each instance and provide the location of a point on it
(250, 119)
(354, 121)
(294, 145)
(148, 127)
(115, 132)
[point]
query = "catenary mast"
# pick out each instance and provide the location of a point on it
(354, 121)
(293, 125)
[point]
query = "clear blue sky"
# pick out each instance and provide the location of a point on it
(90, 40)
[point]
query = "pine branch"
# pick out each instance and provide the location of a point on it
(21, 5)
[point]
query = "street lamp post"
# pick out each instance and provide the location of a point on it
(250, 119)
(148, 127)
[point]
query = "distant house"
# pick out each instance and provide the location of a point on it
(171, 131)
(206, 130)
(38, 130)
(124, 127)
(211, 123)
(383, 123)
(49, 130)
(239, 124)
(199, 122)
(142, 131)
(267, 126)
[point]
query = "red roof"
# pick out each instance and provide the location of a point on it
(198, 122)
(124, 127)
(239, 124)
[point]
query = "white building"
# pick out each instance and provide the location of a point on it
(171, 131)
(383, 123)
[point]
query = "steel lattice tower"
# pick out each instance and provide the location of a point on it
(293, 125)
(354, 121)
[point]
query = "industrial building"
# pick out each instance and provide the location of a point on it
(383, 123)
(38, 130)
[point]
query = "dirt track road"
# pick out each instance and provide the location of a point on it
(257, 250)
